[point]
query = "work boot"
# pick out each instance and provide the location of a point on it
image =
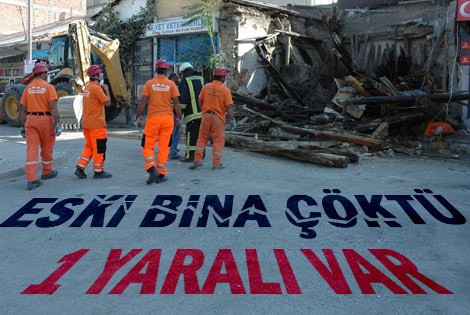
(153, 174)
(80, 173)
(196, 164)
(160, 179)
(102, 175)
(33, 185)
(52, 174)
(174, 157)
(185, 160)
(218, 167)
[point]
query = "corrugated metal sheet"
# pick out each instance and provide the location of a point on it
(352, 4)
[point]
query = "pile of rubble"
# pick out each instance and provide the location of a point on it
(301, 116)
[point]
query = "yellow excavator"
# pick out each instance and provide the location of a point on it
(69, 57)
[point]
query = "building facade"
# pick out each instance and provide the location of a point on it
(48, 17)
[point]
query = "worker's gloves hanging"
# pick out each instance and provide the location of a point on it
(23, 132)
(58, 129)
(233, 124)
(139, 122)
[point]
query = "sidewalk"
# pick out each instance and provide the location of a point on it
(13, 148)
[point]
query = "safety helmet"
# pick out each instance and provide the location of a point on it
(220, 72)
(185, 66)
(40, 68)
(162, 64)
(94, 70)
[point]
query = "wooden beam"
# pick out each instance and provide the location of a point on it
(436, 98)
(304, 155)
(372, 143)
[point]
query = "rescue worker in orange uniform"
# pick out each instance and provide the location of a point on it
(215, 100)
(40, 124)
(158, 93)
(95, 98)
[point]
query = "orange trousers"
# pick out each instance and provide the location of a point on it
(211, 126)
(40, 133)
(95, 147)
(157, 128)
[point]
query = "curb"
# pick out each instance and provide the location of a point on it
(126, 134)
(59, 158)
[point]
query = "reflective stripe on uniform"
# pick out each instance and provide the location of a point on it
(32, 163)
(46, 162)
(162, 167)
(148, 164)
(195, 112)
(190, 118)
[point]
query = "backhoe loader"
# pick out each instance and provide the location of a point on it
(69, 57)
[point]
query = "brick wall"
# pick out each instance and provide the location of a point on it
(15, 17)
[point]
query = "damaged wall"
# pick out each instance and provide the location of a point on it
(291, 42)
(409, 30)
(240, 26)
(412, 42)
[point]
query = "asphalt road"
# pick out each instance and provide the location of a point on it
(263, 236)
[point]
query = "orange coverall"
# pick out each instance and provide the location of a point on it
(214, 98)
(94, 127)
(159, 125)
(39, 127)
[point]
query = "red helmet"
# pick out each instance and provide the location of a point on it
(162, 64)
(94, 70)
(40, 68)
(220, 72)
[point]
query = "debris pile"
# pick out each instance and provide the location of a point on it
(309, 113)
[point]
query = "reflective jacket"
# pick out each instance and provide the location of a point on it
(189, 88)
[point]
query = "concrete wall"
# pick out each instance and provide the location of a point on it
(167, 8)
(239, 26)
(128, 8)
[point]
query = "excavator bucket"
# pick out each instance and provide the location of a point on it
(70, 111)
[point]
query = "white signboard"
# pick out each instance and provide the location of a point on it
(173, 27)
(28, 66)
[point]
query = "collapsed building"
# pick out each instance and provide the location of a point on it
(365, 78)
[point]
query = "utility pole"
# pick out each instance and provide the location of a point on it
(30, 30)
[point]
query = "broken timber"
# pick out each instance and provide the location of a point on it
(436, 98)
(304, 155)
(372, 143)
(276, 76)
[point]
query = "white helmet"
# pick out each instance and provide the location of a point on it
(185, 66)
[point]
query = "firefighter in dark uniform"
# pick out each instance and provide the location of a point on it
(190, 86)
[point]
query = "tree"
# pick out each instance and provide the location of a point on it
(128, 32)
(205, 11)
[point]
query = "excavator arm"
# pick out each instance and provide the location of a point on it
(107, 49)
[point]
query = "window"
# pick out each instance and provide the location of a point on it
(57, 52)
(188, 48)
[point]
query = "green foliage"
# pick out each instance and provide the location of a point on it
(205, 11)
(127, 32)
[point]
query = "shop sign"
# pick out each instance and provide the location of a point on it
(172, 27)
